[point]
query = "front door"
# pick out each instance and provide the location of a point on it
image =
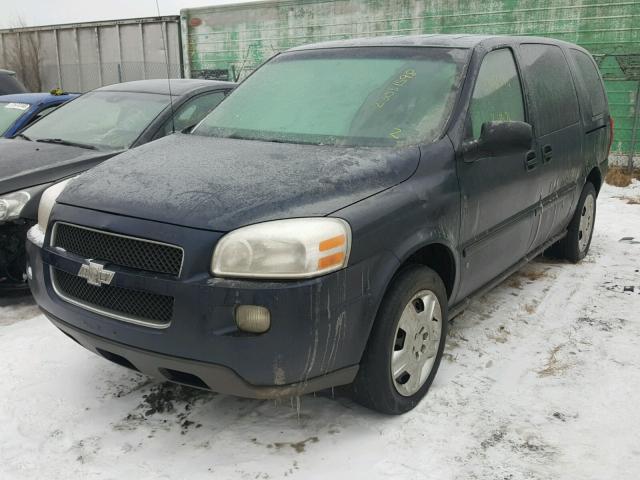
(499, 193)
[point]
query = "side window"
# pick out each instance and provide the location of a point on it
(497, 95)
(191, 112)
(551, 86)
(591, 80)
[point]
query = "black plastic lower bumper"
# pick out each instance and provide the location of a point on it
(197, 374)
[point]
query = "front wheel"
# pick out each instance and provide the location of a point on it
(406, 343)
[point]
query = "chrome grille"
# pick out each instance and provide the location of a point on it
(122, 303)
(118, 249)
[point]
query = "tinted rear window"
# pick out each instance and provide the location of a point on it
(591, 80)
(551, 87)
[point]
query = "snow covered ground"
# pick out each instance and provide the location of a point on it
(541, 380)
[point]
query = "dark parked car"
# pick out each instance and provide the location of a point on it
(323, 224)
(9, 83)
(78, 136)
(20, 110)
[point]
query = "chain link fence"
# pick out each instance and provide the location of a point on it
(621, 75)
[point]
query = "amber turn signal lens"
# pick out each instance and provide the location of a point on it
(332, 243)
(330, 260)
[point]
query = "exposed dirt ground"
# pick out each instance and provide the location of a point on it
(541, 380)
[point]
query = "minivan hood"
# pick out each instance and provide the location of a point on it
(222, 184)
(24, 164)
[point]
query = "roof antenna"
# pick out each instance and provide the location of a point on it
(166, 58)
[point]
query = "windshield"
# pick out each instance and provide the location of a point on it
(373, 96)
(105, 120)
(9, 113)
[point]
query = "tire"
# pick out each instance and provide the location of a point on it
(412, 292)
(575, 245)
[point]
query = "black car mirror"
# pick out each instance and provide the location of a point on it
(500, 138)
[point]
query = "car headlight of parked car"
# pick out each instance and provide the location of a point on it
(12, 204)
(47, 201)
(284, 249)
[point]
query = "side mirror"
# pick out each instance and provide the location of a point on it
(188, 130)
(500, 138)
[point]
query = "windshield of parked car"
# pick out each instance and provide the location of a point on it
(359, 96)
(9, 113)
(102, 119)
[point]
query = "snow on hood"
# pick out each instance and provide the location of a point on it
(222, 184)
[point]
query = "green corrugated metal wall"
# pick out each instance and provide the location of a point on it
(232, 40)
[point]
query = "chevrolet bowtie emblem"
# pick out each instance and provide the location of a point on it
(95, 274)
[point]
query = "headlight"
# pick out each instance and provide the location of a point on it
(293, 248)
(12, 204)
(47, 201)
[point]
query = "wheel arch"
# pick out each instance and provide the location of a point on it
(436, 254)
(438, 257)
(595, 178)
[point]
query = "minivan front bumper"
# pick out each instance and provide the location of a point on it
(197, 374)
(319, 327)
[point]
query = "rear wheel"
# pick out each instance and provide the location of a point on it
(575, 245)
(406, 344)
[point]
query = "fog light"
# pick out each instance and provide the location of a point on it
(252, 318)
(29, 273)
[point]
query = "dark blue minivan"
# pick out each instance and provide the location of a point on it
(323, 224)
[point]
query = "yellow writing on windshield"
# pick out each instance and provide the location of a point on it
(396, 133)
(395, 86)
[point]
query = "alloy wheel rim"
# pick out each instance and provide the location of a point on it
(586, 223)
(416, 343)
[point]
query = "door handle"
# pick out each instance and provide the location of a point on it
(531, 160)
(547, 153)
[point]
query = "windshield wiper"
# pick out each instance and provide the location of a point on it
(60, 141)
(22, 135)
(236, 136)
